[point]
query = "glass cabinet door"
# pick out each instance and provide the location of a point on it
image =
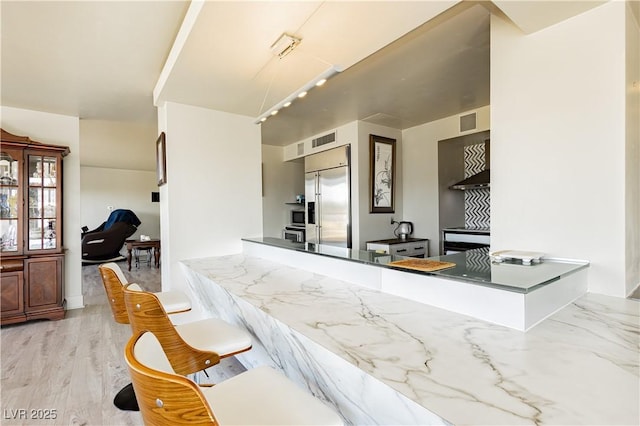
(43, 203)
(10, 201)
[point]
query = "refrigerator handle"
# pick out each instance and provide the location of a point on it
(318, 210)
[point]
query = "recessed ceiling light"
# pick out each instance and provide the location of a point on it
(300, 93)
(263, 119)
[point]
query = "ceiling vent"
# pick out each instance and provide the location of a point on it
(323, 140)
(388, 120)
(284, 45)
(468, 122)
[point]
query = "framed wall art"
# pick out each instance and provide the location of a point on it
(382, 155)
(161, 159)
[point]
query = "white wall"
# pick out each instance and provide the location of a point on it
(118, 169)
(632, 184)
(122, 189)
(59, 130)
(282, 181)
(558, 141)
(118, 144)
(420, 171)
(375, 226)
(213, 195)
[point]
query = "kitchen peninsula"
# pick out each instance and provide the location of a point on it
(525, 295)
(383, 359)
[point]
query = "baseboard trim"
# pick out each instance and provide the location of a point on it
(75, 302)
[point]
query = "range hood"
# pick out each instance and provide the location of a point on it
(479, 180)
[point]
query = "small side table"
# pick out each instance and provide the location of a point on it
(153, 243)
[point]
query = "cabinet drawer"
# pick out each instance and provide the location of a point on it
(409, 249)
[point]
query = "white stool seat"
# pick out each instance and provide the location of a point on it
(174, 301)
(262, 396)
(215, 335)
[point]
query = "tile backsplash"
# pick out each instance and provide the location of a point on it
(476, 201)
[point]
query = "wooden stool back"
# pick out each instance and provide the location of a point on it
(114, 289)
(164, 398)
(147, 314)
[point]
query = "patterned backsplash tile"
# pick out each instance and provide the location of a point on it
(476, 201)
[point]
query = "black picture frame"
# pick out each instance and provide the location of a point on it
(382, 173)
(161, 159)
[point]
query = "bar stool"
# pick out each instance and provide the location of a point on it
(259, 396)
(187, 346)
(114, 281)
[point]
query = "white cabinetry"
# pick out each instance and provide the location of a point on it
(413, 247)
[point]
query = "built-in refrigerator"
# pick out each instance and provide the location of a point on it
(328, 197)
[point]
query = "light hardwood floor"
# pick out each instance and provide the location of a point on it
(75, 366)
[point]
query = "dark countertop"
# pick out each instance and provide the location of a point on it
(398, 241)
(473, 266)
(464, 230)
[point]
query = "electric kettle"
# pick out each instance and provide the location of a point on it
(403, 230)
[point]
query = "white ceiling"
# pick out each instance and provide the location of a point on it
(102, 59)
(94, 60)
(439, 69)
(226, 62)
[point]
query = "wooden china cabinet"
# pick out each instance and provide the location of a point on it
(31, 252)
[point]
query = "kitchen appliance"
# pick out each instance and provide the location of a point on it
(481, 179)
(456, 240)
(328, 197)
(294, 233)
(403, 230)
(297, 218)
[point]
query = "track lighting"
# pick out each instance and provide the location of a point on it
(298, 94)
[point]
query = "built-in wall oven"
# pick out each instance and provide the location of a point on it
(456, 240)
(294, 233)
(298, 218)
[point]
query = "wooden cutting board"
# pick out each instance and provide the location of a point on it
(425, 265)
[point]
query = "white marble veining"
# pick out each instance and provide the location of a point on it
(383, 359)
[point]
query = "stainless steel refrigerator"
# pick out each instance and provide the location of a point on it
(328, 197)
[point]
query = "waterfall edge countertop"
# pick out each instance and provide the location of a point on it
(579, 366)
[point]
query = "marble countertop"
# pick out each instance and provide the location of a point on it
(473, 266)
(579, 366)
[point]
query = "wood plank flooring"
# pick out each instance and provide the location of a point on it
(70, 370)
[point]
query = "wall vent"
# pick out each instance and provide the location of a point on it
(323, 140)
(468, 122)
(301, 148)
